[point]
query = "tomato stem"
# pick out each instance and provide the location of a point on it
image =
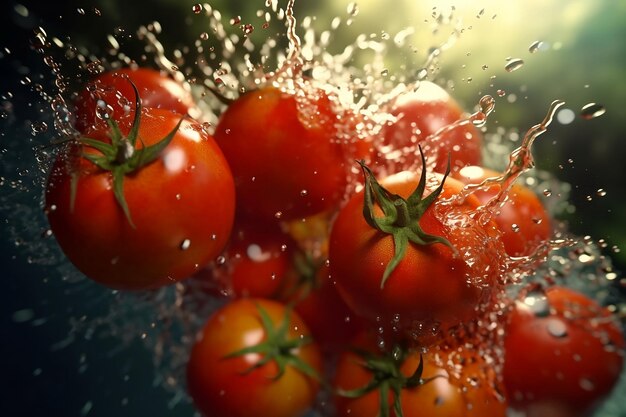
(400, 216)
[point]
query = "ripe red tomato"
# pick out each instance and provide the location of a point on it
(420, 114)
(563, 354)
(181, 206)
(321, 307)
(523, 220)
(431, 288)
(249, 384)
(471, 393)
(290, 154)
(259, 261)
(111, 93)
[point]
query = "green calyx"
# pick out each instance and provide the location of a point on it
(121, 157)
(278, 347)
(387, 378)
(400, 216)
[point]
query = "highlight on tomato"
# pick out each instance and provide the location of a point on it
(254, 357)
(522, 219)
(371, 382)
(423, 117)
(142, 203)
(291, 153)
(563, 353)
(406, 257)
(111, 96)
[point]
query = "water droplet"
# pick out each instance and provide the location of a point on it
(592, 110)
(514, 65)
(535, 46)
(197, 8)
(185, 244)
(557, 328)
(353, 9)
(565, 116)
(587, 384)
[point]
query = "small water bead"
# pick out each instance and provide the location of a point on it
(185, 244)
(592, 110)
(514, 65)
(535, 46)
(557, 328)
(197, 8)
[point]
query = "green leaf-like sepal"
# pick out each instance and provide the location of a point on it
(121, 157)
(278, 347)
(386, 378)
(400, 216)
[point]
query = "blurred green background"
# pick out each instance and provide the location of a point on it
(583, 60)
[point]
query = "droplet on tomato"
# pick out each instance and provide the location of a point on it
(587, 384)
(557, 328)
(185, 244)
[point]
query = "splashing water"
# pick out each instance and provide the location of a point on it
(166, 321)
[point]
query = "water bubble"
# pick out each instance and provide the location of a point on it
(304, 193)
(384, 72)
(538, 303)
(248, 29)
(185, 244)
(601, 192)
(38, 127)
(197, 8)
(221, 260)
(204, 36)
(547, 192)
(235, 20)
(592, 110)
(80, 11)
(501, 93)
(586, 384)
(514, 65)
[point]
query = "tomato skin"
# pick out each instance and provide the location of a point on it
(287, 157)
(421, 113)
(155, 90)
(443, 396)
(429, 284)
(564, 363)
(221, 386)
(182, 206)
(331, 321)
(523, 209)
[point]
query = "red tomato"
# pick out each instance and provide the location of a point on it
(420, 114)
(523, 220)
(259, 261)
(181, 206)
(469, 394)
(332, 323)
(240, 386)
(290, 155)
(431, 288)
(563, 354)
(111, 93)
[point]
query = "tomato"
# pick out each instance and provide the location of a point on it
(522, 219)
(259, 261)
(332, 323)
(290, 154)
(111, 93)
(180, 206)
(420, 114)
(434, 286)
(563, 353)
(471, 393)
(223, 384)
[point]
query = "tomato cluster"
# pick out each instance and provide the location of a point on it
(373, 280)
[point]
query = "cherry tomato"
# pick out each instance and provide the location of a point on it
(223, 383)
(259, 261)
(319, 304)
(563, 353)
(290, 156)
(180, 206)
(471, 393)
(420, 114)
(112, 95)
(434, 286)
(523, 220)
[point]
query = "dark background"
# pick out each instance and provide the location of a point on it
(92, 378)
